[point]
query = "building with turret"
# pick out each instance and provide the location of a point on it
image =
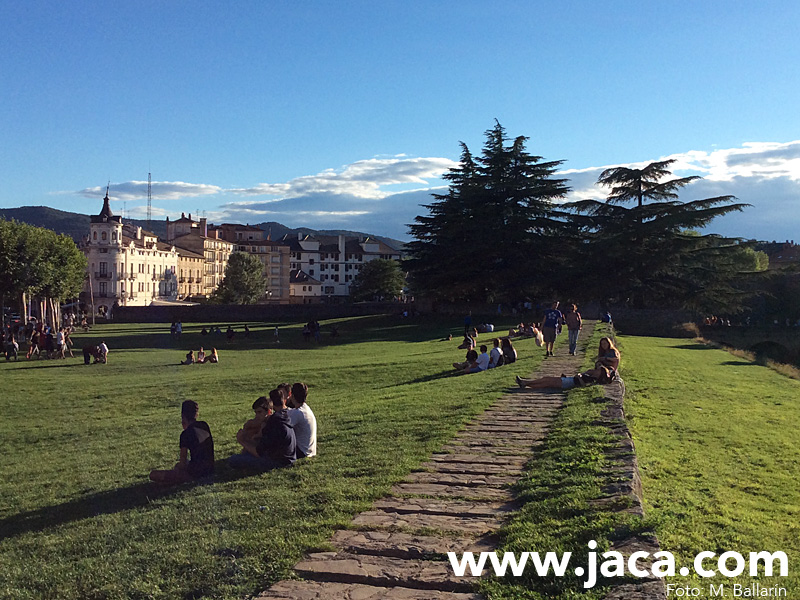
(127, 266)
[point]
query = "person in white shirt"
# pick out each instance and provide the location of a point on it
(303, 421)
(483, 361)
(102, 352)
(496, 355)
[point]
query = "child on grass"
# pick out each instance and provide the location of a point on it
(196, 449)
(251, 430)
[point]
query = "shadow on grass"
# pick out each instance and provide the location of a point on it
(695, 347)
(110, 501)
(740, 363)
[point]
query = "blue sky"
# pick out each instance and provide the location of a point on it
(345, 114)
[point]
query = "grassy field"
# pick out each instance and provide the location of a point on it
(717, 439)
(78, 518)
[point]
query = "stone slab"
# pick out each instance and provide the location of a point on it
(456, 467)
(383, 571)
(464, 479)
(452, 491)
(474, 458)
(316, 590)
(434, 506)
(407, 545)
(417, 521)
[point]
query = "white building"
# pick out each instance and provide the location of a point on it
(127, 265)
(332, 262)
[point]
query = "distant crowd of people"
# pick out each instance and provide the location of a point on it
(282, 431)
(43, 340)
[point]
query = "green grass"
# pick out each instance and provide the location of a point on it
(717, 439)
(565, 475)
(78, 518)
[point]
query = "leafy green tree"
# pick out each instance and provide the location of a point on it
(37, 263)
(243, 282)
(490, 237)
(378, 278)
(650, 254)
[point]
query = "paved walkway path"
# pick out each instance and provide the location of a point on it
(457, 503)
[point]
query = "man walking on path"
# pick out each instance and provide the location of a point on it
(574, 326)
(552, 319)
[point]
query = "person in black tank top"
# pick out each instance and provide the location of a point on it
(196, 449)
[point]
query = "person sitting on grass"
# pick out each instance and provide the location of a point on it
(189, 358)
(468, 344)
(607, 354)
(496, 355)
(196, 446)
(277, 447)
(509, 352)
(201, 356)
(483, 360)
(251, 430)
(601, 375)
(214, 358)
(303, 422)
(230, 333)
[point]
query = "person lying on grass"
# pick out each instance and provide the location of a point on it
(277, 446)
(251, 430)
(196, 446)
(601, 375)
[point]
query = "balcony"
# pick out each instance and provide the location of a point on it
(103, 275)
(183, 280)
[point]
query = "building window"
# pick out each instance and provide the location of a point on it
(311, 272)
(104, 236)
(114, 236)
(311, 261)
(94, 235)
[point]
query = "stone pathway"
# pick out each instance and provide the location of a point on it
(457, 503)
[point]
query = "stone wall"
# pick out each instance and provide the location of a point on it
(223, 313)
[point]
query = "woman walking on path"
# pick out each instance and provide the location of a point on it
(574, 326)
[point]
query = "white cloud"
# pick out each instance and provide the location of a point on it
(161, 190)
(362, 179)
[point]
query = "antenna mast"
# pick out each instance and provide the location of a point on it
(149, 202)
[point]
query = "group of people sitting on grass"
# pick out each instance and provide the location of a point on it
(502, 353)
(283, 430)
(201, 357)
(604, 371)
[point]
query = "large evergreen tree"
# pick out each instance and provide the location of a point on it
(489, 238)
(650, 254)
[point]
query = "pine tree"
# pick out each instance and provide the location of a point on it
(651, 254)
(490, 237)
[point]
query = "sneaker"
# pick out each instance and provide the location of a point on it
(519, 381)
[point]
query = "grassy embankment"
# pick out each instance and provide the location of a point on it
(79, 520)
(717, 439)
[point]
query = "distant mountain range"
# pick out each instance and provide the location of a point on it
(76, 225)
